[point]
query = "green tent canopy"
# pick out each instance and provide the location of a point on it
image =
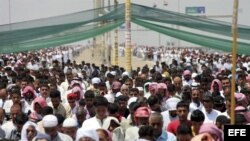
(55, 31)
(78, 34)
(205, 41)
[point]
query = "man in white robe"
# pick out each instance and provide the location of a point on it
(50, 123)
(101, 117)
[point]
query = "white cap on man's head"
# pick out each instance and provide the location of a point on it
(49, 121)
(113, 73)
(131, 100)
(90, 133)
(171, 103)
(95, 80)
(70, 122)
(140, 88)
(125, 74)
(194, 75)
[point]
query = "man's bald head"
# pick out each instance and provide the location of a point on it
(81, 111)
(177, 82)
(15, 110)
(3, 93)
(81, 114)
(156, 115)
(156, 121)
(15, 106)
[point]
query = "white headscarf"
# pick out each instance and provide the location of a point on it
(24, 130)
(107, 122)
(91, 133)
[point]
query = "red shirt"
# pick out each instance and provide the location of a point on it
(173, 125)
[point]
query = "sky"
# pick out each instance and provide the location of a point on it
(24, 10)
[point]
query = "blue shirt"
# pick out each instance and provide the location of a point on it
(166, 136)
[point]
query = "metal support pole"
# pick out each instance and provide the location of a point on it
(116, 48)
(234, 57)
(103, 46)
(98, 39)
(128, 35)
(93, 47)
(10, 13)
(109, 42)
(178, 27)
(116, 40)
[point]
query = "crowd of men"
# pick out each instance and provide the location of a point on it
(164, 53)
(49, 99)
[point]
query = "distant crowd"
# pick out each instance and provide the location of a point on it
(47, 96)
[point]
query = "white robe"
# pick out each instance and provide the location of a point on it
(193, 106)
(111, 96)
(94, 123)
(7, 128)
(132, 133)
(25, 106)
(62, 137)
(211, 117)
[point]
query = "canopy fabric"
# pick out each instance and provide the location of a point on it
(205, 41)
(79, 17)
(74, 27)
(193, 22)
(78, 34)
(30, 30)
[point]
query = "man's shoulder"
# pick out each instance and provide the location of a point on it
(64, 84)
(108, 95)
(216, 111)
(8, 124)
(61, 106)
(165, 113)
(89, 120)
(8, 103)
(50, 104)
(64, 137)
(168, 136)
(171, 136)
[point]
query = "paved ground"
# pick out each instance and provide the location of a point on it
(86, 55)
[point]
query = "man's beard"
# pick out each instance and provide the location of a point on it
(158, 110)
(173, 115)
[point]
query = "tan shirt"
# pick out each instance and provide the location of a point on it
(59, 110)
